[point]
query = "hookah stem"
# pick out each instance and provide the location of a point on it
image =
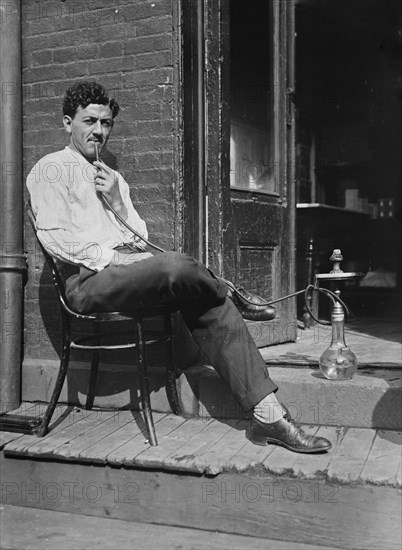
(97, 150)
(324, 291)
(330, 294)
(123, 221)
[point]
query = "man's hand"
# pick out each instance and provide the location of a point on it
(107, 183)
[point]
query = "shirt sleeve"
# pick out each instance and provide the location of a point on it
(52, 208)
(49, 195)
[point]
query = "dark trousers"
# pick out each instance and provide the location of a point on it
(213, 320)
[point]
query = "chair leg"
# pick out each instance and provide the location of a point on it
(65, 357)
(171, 374)
(143, 370)
(94, 372)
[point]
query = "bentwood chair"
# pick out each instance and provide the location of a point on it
(93, 342)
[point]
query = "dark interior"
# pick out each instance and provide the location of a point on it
(348, 55)
(348, 132)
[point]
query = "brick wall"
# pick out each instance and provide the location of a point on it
(128, 47)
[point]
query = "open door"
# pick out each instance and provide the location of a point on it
(250, 152)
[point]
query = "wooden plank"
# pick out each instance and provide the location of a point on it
(57, 423)
(25, 408)
(125, 453)
(71, 427)
(138, 440)
(183, 456)
(282, 460)
(219, 456)
(62, 412)
(93, 419)
(153, 457)
(72, 448)
(187, 456)
(28, 441)
(398, 479)
(384, 459)
(37, 410)
(347, 464)
(360, 516)
(6, 437)
(47, 530)
(97, 452)
(26, 411)
(309, 466)
(250, 456)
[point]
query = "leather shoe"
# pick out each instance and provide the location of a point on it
(285, 433)
(251, 306)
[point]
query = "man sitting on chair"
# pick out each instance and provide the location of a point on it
(107, 269)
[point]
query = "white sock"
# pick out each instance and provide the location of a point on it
(269, 409)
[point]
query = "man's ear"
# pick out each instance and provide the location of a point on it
(67, 120)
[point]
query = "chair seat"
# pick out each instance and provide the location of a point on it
(96, 319)
(154, 311)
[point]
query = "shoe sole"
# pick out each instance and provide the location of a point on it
(264, 441)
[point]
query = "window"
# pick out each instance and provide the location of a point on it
(252, 96)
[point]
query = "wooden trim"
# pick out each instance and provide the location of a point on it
(291, 144)
(221, 256)
(194, 189)
(189, 152)
(178, 107)
(299, 510)
(277, 152)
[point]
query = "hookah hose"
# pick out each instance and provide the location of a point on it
(123, 221)
(309, 289)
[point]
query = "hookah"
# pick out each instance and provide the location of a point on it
(338, 362)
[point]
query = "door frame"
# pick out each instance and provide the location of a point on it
(192, 201)
(208, 231)
(217, 88)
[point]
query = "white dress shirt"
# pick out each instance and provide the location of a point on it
(73, 223)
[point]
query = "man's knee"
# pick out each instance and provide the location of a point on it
(179, 267)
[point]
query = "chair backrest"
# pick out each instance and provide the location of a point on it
(57, 279)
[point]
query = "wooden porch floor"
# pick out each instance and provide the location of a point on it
(204, 446)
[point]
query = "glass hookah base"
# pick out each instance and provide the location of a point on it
(334, 371)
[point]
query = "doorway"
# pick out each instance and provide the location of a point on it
(249, 152)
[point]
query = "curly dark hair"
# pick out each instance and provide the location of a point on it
(84, 93)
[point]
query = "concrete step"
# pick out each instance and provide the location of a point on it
(372, 399)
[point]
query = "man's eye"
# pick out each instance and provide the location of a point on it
(93, 121)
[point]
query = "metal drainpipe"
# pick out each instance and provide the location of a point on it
(12, 258)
